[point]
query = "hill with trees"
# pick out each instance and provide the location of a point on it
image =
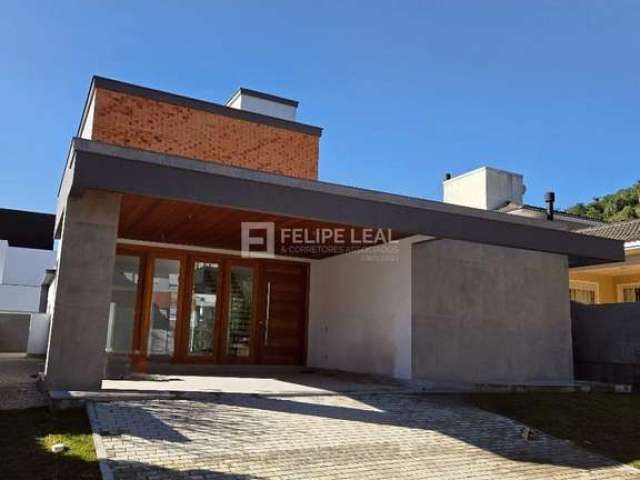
(616, 207)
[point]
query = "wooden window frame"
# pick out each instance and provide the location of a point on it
(187, 258)
(182, 354)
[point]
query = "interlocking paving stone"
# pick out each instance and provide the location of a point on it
(17, 385)
(361, 436)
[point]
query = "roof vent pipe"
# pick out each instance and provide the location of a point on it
(549, 198)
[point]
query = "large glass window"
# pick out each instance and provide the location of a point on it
(204, 300)
(122, 311)
(240, 311)
(164, 306)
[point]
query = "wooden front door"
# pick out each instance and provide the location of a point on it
(282, 323)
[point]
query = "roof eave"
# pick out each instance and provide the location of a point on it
(127, 170)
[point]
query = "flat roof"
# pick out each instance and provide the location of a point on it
(196, 104)
(25, 229)
(95, 165)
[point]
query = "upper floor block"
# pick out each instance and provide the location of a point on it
(253, 130)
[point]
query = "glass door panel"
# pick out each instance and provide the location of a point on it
(122, 309)
(164, 306)
(240, 313)
(204, 302)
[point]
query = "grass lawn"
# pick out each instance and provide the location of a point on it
(606, 423)
(27, 435)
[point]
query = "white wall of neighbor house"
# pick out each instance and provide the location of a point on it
(19, 298)
(4, 245)
(26, 266)
(360, 312)
(21, 274)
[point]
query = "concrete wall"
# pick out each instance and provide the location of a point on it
(38, 333)
(14, 332)
(606, 340)
(486, 188)
(489, 314)
(75, 357)
(360, 313)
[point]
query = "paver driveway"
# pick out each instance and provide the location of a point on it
(17, 383)
(390, 435)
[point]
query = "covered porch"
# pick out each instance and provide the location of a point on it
(155, 268)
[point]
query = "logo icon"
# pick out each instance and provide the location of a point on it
(258, 240)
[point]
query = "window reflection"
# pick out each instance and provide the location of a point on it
(122, 309)
(204, 298)
(164, 306)
(240, 309)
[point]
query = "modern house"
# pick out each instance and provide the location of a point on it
(610, 283)
(194, 233)
(26, 252)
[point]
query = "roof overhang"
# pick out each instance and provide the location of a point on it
(94, 165)
(27, 229)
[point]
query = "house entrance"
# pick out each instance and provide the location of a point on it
(189, 307)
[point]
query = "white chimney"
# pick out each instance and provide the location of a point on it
(486, 188)
(263, 103)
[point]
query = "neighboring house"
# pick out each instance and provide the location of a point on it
(612, 282)
(153, 272)
(26, 252)
(502, 191)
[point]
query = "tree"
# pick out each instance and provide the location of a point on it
(616, 207)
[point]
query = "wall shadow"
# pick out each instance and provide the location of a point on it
(445, 414)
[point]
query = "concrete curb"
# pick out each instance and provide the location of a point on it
(101, 453)
(65, 399)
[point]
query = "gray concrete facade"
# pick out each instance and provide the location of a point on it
(483, 313)
(14, 332)
(76, 353)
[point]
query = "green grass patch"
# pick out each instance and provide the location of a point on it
(27, 435)
(606, 423)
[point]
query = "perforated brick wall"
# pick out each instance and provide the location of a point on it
(134, 121)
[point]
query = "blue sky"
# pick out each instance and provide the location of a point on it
(405, 91)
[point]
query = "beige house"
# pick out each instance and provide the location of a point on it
(611, 282)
